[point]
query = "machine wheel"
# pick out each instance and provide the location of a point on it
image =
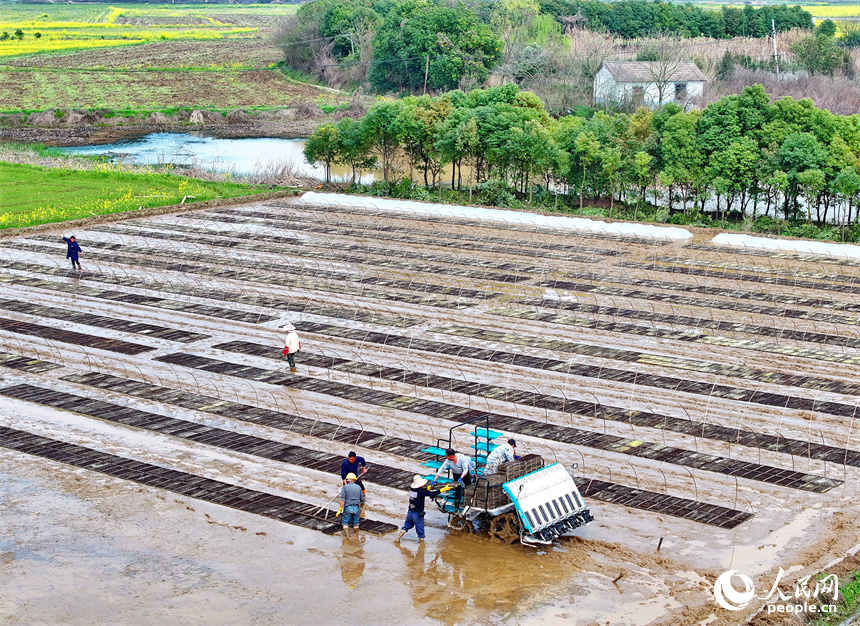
(505, 528)
(461, 524)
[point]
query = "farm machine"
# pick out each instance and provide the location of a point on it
(525, 499)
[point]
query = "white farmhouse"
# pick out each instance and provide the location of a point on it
(648, 83)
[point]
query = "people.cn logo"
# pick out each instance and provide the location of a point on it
(730, 598)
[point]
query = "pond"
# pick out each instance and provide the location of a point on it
(236, 156)
(253, 155)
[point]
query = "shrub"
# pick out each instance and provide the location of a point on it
(765, 224)
(308, 111)
(497, 193)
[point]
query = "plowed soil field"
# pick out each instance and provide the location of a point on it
(707, 395)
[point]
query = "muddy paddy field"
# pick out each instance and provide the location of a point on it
(160, 463)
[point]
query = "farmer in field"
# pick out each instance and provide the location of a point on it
(351, 499)
(418, 492)
(462, 468)
(354, 466)
(502, 454)
(292, 344)
(73, 251)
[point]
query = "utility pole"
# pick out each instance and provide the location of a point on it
(426, 71)
(775, 54)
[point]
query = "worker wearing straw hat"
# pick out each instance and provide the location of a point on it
(418, 492)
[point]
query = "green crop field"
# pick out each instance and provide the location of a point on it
(820, 10)
(50, 28)
(34, 195)
(145, 57)
(833, 11)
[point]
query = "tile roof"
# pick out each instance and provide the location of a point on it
(650, 72)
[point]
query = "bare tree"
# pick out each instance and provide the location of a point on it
(299, 41)
(570, 66)
(666, 56)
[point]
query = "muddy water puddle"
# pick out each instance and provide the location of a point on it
(121, 554)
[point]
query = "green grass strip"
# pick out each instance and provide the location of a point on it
(847, 606)
(32, 195)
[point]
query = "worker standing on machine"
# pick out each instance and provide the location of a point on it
(462, 467)
(501, 454)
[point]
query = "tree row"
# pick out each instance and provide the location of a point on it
(741, 154)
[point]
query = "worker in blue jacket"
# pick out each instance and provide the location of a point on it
(358, 466)
(74, 249)
(353, 465)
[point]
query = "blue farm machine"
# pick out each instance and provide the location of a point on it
(526, 499)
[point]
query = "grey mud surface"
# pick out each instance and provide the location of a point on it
(79, 547)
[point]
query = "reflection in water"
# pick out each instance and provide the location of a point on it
(251, 155)
(462, 573)
(352, 561)
(237, 156)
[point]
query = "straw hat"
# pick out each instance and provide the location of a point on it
(418, 481)
(288, 326)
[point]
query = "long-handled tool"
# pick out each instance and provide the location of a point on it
(325, 506)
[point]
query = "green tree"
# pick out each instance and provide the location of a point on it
(460, 142)
(818, 54)
(383, 134)
(640, 124)
(421, 37)
(811, 183)
(353, 144)
(847, 186)
(736, 164)
(343, 21)
(682, 158)
(420, 122)
(827, 28)
(529, 151)
(587, 149)
(610, 164)
(644, 174)
(322, 147)
(798, 153)
(325, 32)
(726, 66)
